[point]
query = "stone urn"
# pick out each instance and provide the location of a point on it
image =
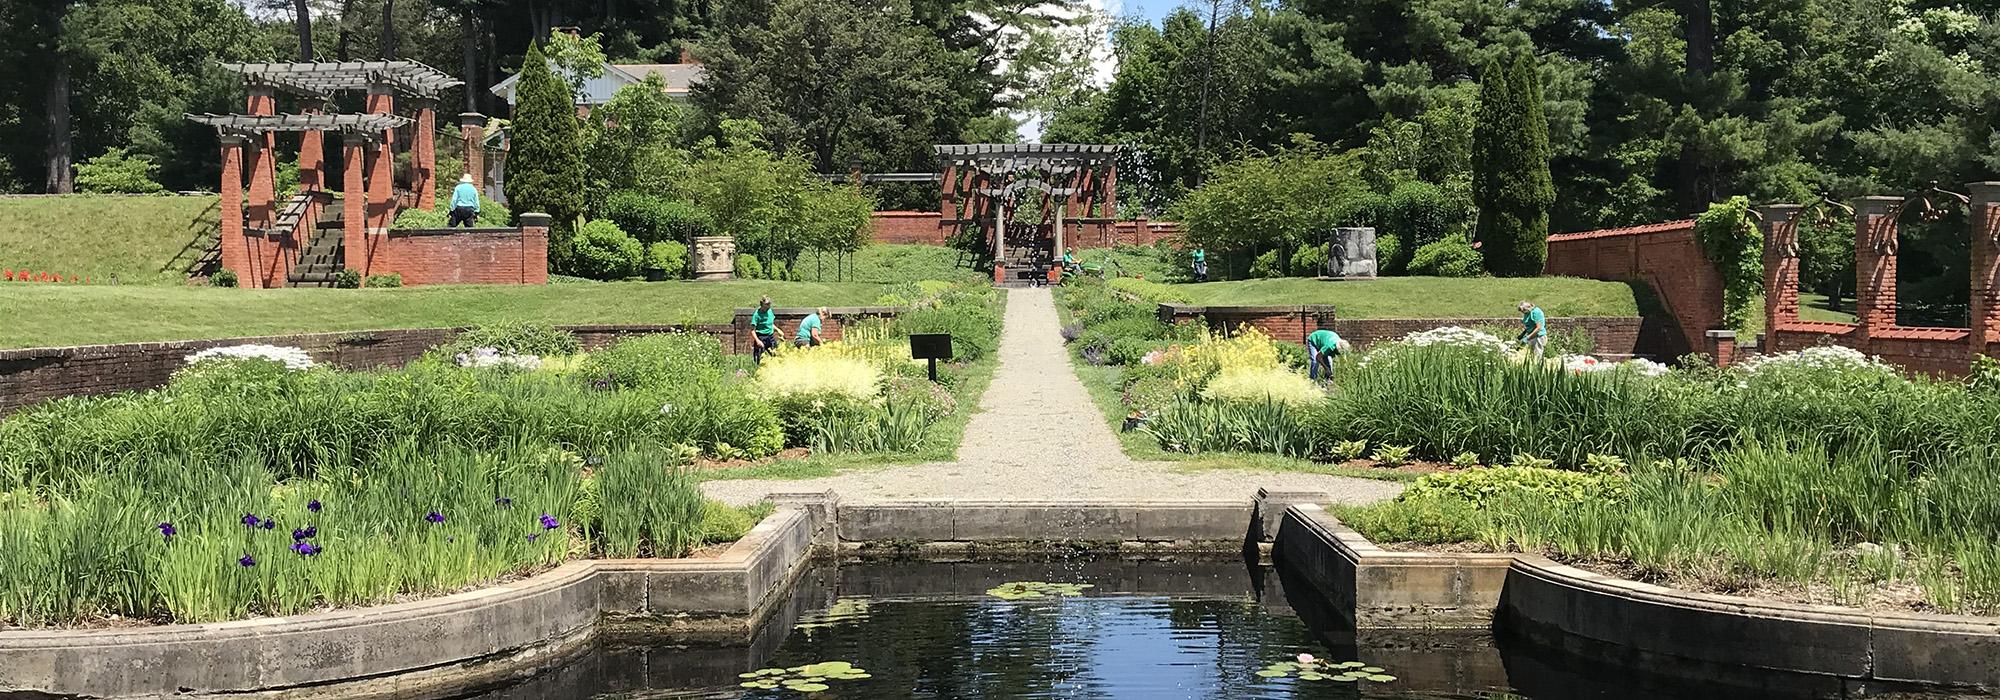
(714, 258)
(1353, 253)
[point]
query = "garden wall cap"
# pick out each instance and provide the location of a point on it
(536, 219)
(1721, 334)
(833, 310)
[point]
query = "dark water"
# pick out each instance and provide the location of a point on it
(1148, 629)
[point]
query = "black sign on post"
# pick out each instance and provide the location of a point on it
(930, 346)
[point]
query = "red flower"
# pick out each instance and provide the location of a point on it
(7, 275)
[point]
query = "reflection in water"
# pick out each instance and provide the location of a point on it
(1147, 629)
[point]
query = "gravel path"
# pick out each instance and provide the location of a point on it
(1038, 436)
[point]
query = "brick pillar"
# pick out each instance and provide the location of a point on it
(381, 164)
(312, 155)
(535, 249)
(262, 161)
(1875, 261)
(1111, 193)
(424, 153)
(354, 200)
(1985, 226)
(1722, 347)
(472, 128)
(235, 250)
(1781, 263)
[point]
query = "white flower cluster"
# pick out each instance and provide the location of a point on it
(1455, 335)
(1826, 357)
(1579, 364)
(292, 358)
(492, 357)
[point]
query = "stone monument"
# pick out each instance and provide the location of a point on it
(715, 257)
(1353, 253)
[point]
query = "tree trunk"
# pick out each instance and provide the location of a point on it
(61, 179)
(346, 41)
(388, 30)
(302, 19)
(469, 46)
(1698, 26)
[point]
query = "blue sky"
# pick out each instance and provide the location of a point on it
(1152, 10)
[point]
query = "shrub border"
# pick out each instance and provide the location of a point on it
(1565, 607)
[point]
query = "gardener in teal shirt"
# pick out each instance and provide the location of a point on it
(464, 203)
(1534, 328)
(809, 329)
(763, 330)
(1200, 265)
(1321, 347)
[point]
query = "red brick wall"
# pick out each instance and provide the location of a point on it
(464, 256)
(832, 327)
(1942, 352)
(1664, 256)
(1615, 336)
(908, 227)
(32, 375)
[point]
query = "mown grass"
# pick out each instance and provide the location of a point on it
(1427, 297)
(889, 264)
(50, 315)
(138, 240)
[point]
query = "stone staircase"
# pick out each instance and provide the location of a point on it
(322, 255)
(1030, 254)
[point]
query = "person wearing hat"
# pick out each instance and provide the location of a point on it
(1321, 347)
(808, 335)
(464, 203)
(1534, 328)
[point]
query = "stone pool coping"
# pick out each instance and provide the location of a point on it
(1585, 612)
(443, 645)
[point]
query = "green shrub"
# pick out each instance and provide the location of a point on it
(776, 270)
(1148, 290)
(654, 219)
(1129, 351)
(1451, 257)
(347, 279)
(223, 278)
(666, 361)
(1148, 396)
(971, 319)
(1418, 214)
(515, 338)
(117, 172)
(1387, 247)
(388, 281)
(748, 267)
(1483, 487)
(421, 218)
(1415, 520)
(671, 256)
(605, 252)
(1309, 261)
(1268, 264)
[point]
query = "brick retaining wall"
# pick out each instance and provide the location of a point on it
(1614, 335)
(1665, 257)
(921, 228)
(464, 256)
(32, 375)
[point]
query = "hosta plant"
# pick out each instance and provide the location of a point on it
(1529, 461)
(1391, 455)
(1465, 460)
(1349, 450)
(1604, 464)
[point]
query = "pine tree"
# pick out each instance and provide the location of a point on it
(545, 170)
(1511, 180)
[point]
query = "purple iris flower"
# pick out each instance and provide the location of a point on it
(434, 517)
(504, 502)
(305, 549)
(549, 522)
(309, 531)
(251, 520)
(314, 505)
(532, 537)
(167, 530)
(269, 524)
(247, 561)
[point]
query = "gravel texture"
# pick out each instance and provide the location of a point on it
(1038, 436)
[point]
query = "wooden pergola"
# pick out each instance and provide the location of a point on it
(986, 186)
(367, 147)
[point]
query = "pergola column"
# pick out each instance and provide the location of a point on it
(312, 154)
(472, 128)
(235, 250)
(1111, 193)
(1985, 244)
(354, 198)
(1781, 263)
(1875, 262)
(381, 165)
(263, 162)
(424, 152)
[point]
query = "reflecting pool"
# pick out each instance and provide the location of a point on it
(1141, 629)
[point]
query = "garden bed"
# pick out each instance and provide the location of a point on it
(258, 484)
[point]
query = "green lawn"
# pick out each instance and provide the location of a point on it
(1816, 307)
(45, 315)
(1427, 297)
(887, 263)
(140, 240)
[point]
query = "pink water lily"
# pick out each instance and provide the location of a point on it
(1306, 658)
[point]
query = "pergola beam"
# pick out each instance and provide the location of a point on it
(255, 124)
(319, 80)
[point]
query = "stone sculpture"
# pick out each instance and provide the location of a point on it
(714, 258)
(1353, 254)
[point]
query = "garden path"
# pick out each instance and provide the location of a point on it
(1039, 436)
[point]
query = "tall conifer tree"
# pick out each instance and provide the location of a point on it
(1511, 180)
(545, 158)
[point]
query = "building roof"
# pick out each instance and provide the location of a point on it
(679, 77)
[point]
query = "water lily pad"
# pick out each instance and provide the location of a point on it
(751, 684)
(1350, 664)
(1372, 669)
(752, 674)
(1311, 675)
(1268, 673)
(810, 687)
(1347, 678)
(1381, 678)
